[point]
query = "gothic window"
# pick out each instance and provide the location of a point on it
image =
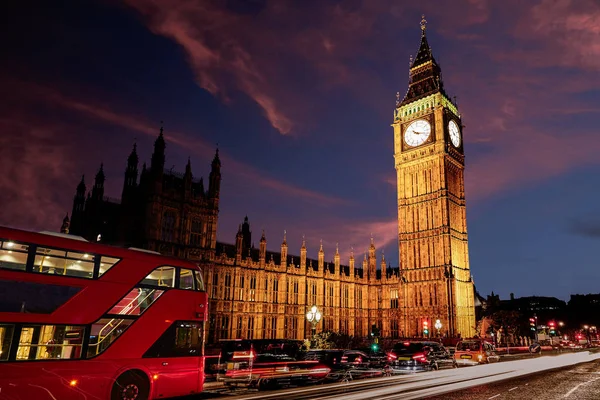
(168, 226)
(250, 327)
(196, 233)
(241, 290)
(264, 328)
(275, 291)
(394, 298)
(273, 327)
(435, 296)
(227, 286)
(313, 294)
(225, 327)
(358, 299)
(215, 285)
(266, 290)
(430, 299)
(346, 297)
(252, 293)
(330, 292)
(239, 328)
(394, 329)
(295, 296)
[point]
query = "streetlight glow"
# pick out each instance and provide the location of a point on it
(314, 316)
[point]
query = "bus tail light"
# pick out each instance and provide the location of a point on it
(73, 382)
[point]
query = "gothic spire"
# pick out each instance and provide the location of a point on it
(132, 160)
(81, 186)
(100, 178)
(425, 73)
(157, 163)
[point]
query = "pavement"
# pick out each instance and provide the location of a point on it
(579, 382)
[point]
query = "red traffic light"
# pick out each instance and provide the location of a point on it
(531, 320)
(551, 323)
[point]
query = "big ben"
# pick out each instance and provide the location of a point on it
(432, 224)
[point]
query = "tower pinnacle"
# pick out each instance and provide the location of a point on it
(423, 24)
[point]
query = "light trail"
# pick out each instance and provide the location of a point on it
(426, 384)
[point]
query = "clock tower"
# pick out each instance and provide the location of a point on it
(432, 223)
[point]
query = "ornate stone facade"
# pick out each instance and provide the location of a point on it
(260, 294)
(164, 211)
(432, 224)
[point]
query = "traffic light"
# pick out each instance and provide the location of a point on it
(374, 347)
(425, 328)
(532, 324)
(552, 328)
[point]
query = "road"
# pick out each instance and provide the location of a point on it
(576, 375)
(581, 382)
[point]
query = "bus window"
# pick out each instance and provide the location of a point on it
(136, 301)
(181, 339)
(186, 279)
(32, 297)
(104, 332)
(42, 342)
(61, 262)
(13, 255)
(107, 263)
(161, 277)
(6, 333)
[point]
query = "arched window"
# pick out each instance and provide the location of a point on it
(168, 226)
(196, 233)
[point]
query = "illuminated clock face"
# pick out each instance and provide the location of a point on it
(454, 133)
(417, 133)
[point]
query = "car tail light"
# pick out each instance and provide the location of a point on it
(420, 357)
(320, 371)
(392, 356)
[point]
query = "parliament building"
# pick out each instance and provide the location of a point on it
(255, 293)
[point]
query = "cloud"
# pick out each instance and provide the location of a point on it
(35, 159)
(185, 141)
(207, 33)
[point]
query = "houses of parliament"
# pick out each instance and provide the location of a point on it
(255, 293)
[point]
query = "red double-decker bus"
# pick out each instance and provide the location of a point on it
(81, 320)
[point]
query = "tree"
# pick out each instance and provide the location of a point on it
(508, 321)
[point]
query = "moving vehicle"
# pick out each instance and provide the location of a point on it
(266, 364)
(419, 356)
(475, 351)
(82, 320)
(345, 364)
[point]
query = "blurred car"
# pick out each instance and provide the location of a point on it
(344, 364)
(419, 356)
(475, 351)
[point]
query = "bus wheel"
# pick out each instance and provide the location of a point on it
(131, 385)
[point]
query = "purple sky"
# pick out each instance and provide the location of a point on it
(300, 97)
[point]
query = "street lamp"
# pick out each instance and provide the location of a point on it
(314, 316)
(438, 326)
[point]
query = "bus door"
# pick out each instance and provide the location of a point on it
(177, 364)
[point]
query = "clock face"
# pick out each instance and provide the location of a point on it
(454, 133)
(417, 133)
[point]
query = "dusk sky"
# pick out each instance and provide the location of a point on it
(299, 96)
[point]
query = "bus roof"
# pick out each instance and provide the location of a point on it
(72, 242)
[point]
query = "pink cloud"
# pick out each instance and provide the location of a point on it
(34, 165)
(185, 141)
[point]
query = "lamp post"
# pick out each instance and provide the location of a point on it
(438, 326)
(313, 316)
